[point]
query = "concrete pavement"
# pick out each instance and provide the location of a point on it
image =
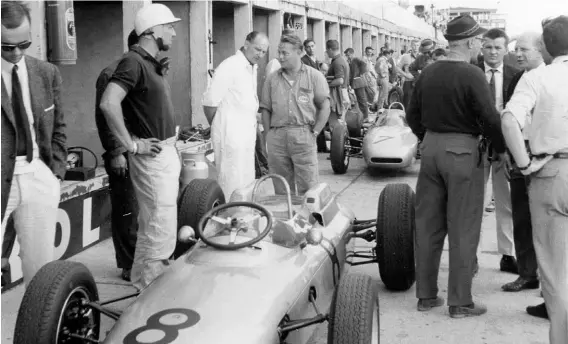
(506, 321)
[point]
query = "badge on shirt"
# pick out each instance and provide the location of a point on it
(303, 95)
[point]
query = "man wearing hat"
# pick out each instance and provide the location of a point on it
(139, 95)
(450, 111)
(423, 59)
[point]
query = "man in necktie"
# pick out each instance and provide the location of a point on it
(499, 77)
(33, 141)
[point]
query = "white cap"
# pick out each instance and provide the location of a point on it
(153, 15)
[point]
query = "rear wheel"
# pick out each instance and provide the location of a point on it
(339, 154)
(53, 306)
(354, 314)
(395, 236)
(196, 199)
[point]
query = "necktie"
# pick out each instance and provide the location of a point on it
(492, 86)
(24, 145)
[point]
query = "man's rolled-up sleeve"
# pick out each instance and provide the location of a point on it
(523, 100)
(266, 97)
(219, 86)
(321, 90)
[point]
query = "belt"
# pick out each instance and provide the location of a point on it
(290, 126)
(560, 155)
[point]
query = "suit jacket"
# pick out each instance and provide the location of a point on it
(45, 88)
(309, 62)
(508, 73)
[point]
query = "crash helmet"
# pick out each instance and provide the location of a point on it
(153, 15)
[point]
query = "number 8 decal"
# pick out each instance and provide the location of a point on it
(170, 329)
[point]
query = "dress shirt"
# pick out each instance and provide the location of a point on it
(528, 119)
(498, 84)
(22, 165)
(541, 95)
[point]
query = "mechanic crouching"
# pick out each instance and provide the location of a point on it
(295, 108)
(139, 95)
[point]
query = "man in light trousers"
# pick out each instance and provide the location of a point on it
(33, 141)
(139, 94)
(541, 95)
(295, 108)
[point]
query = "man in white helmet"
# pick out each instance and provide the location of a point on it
(138, 108)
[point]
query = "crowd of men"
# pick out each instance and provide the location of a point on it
(473, 121)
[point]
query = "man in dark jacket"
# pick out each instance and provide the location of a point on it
(33, 141)
(499, 76)
(310, 59)
(450, 100)
(124, 211)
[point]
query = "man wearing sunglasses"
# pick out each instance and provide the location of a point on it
(33, 141)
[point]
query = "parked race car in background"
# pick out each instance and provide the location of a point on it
(263, 269)
(387, 142)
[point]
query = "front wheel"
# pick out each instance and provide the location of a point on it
(53, 306)
(339, 154)
(354, 315)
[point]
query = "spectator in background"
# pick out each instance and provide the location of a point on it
(33, 137)
(338, 79)
(371, 75)
(382, 70)
(324, 68)
(540, 102)
(403, 70)
(499, 76)
(358, 82)
(310, 59)
(439, 54)
(423, 59)
(349, 52)
(124, 209)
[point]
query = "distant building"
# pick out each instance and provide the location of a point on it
(486, 17)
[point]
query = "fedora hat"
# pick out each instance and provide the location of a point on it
(463, 27)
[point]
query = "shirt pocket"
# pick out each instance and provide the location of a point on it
(305, 100)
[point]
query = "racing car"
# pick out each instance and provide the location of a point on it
(264, 268)
(387, 142)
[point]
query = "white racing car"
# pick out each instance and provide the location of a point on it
(387, 142)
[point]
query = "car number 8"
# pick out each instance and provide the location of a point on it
(170, 330)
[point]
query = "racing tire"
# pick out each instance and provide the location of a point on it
(196, 199)
(395, 237)
(53, 291)
(339, 155)
(354, 313)
(354, 121)
(395, 95)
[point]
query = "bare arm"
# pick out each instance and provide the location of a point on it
(514, 138)
(266, 121)
(322, 115)
(112, 110)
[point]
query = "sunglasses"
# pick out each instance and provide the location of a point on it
(12, 47)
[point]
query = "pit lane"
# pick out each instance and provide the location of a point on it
(506, 321)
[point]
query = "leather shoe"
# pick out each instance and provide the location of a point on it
(538, 311)
(467, 310)
(520, 284)
(125, 274)
(509, 264)
(428, 304)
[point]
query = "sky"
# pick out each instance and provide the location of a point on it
(522, 15)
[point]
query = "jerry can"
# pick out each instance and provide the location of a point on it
(193, 165)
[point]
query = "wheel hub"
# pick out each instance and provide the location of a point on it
(76, 322)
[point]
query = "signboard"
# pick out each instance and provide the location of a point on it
(82, 222)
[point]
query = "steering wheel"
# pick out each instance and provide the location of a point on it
(235, 225)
